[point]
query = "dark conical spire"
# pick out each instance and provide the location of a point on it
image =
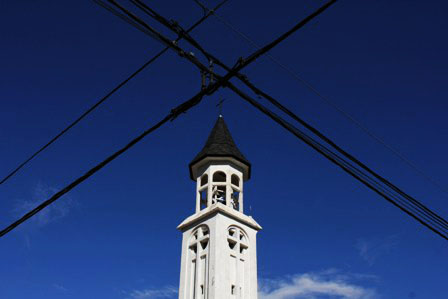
(220, 144)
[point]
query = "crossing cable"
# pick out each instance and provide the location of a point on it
(417, 208)
(174, 113)
(242, 62)
(422, 209)
(344, 113)
(152, 13)
(180, 109)
(124, 18)
(107, 96)
(389, 196)
(302, 136)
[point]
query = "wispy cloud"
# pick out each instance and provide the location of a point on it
(327, 284)
(331, 283)
(371, 249)
(51, 213)
(165, 292)
(59, 287)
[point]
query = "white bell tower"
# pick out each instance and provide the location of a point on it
(219, 257)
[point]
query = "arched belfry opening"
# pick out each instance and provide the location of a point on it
(219, 239)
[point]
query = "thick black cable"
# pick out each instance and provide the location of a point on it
(329, 102)
(302, 136)
(82, 178)
(152, 13)
(357, 173)
(182, 108)
(299, 25)
(177, 29)
(434, 217)
(173, 45)
(254, 56)
(103, 99)
(438, 218)
(242, 62)
(376, 184)
(372, 181)
(318, 133)
(124, 18)
(93, 107)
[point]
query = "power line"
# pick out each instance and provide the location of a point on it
(344, 113)
(174, 113)
(242, 62)
(83, 115)
(124, 18)
(412, 207)
(177, 29)
(82, 178)
(149, 11)
(173, 45)
(299, 134)
(110, 93)
(182, 108)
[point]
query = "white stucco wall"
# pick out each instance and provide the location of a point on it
(219, 218)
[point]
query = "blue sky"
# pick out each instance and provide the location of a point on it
(324, 234)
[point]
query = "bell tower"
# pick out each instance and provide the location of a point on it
(219, 258)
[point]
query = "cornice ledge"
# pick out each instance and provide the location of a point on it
(219, 208)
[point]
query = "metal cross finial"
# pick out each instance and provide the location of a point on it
(219, 105)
